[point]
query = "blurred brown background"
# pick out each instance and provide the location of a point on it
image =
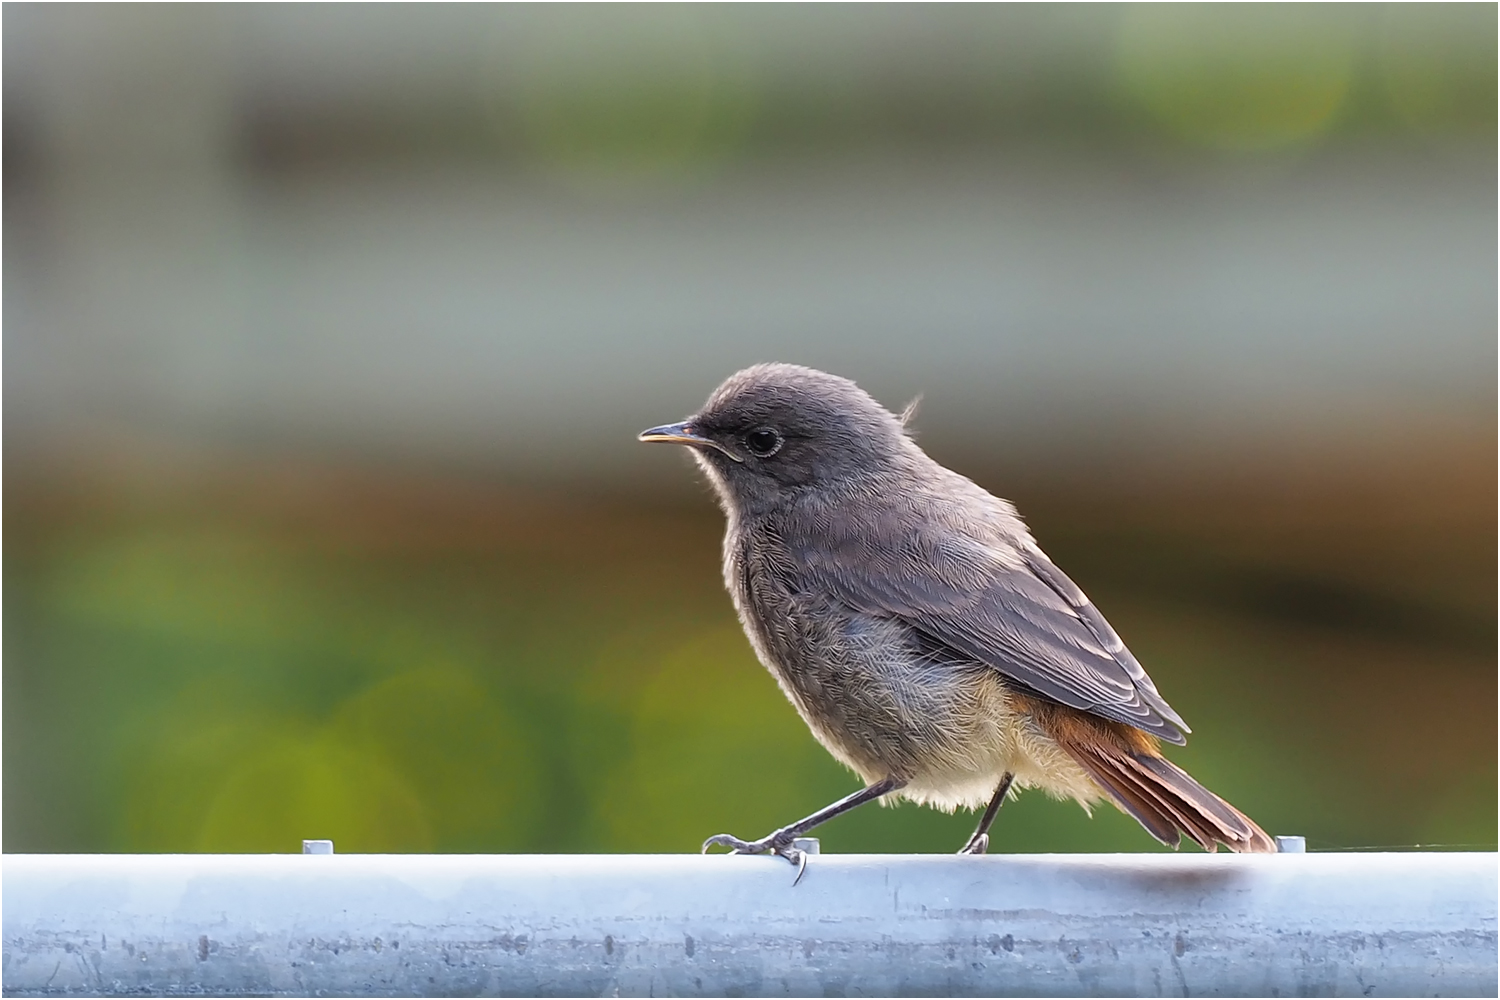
(328, 330)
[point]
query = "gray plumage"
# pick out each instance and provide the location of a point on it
(906, 612)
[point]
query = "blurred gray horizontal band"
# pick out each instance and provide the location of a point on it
(1080, 925)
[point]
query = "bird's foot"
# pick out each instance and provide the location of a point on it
(979, 844)
(779, 843)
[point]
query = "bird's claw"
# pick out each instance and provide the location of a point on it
(977, 845)
(798, 858)
(774, 844)
(735, 844)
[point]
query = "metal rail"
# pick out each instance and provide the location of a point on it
(1077, 925)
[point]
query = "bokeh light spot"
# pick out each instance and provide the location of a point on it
(293, 788)
(715, 748)
(1236, 77)
(460, 751)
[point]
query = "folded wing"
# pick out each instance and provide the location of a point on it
(998, 600)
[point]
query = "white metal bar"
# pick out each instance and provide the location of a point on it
(1079, 925)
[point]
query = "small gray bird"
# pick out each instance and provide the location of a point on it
(923, 636)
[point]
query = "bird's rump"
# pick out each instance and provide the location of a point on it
(1162, 797)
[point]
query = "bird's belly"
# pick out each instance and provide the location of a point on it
(950, 730)
(992, 737)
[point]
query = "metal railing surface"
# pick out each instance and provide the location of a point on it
(539, 925)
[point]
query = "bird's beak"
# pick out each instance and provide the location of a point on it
(682, 433)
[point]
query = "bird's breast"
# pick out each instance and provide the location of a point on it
(882, 700)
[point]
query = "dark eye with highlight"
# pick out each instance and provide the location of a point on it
(763, 442)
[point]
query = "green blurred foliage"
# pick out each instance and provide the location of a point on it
(1438, 64)
(672, 108)
(617, 99)
(1238, 76)
(220, 674)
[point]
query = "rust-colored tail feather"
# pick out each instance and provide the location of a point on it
(1166, 800)
(1125, 763)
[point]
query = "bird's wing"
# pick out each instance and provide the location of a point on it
(1001, 602)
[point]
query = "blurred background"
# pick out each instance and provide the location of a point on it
(328, 330)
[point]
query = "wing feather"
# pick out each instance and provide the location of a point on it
(969, 577)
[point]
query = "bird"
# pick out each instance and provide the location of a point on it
(912, 620)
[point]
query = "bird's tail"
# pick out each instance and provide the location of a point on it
(1167, 801)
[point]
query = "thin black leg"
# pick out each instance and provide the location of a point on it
(980, 842)
(780, 842)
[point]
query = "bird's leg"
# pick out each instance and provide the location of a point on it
(980, 842)
(780, 842)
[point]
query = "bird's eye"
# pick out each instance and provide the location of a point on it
(763, 442)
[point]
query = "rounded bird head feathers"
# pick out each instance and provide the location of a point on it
(773, 428)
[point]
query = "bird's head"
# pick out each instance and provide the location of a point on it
(774, 429)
